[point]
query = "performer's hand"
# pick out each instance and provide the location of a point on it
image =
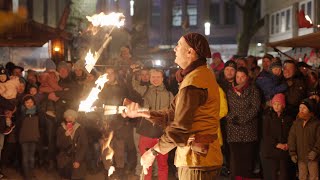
(147, 160)
(132, 110)
(76, 165)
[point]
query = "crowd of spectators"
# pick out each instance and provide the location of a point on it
(271, 120)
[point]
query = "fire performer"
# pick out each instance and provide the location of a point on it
(191, 123)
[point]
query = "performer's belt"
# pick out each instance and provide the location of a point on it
(200, 143)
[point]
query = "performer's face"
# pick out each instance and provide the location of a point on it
(181, 51)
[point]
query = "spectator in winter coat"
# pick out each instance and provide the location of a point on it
(304, 141)
(72, 144)
(217, 64)
(29, 134)
(242, 124)
(276, 126)
(228, 76)
(296, 91)
(114, 93)
(157, 97)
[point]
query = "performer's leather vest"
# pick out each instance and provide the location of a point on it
(205, 122)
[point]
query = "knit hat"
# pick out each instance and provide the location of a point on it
(280, 98)
(310, 103)
(216, 55)
(199, 43)
(50, 65)
(276, 64)
(231, 63)
(70, 112)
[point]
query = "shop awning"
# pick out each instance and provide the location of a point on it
(310, 40)
(31, 34)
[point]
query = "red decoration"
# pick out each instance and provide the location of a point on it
(302, 21)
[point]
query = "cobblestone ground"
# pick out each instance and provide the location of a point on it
(42, 174)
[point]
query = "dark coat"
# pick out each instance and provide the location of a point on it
(242, 118)
(275, 130)
(29, 130)
(70, 96)
(72, 150)
(295, 93)
(302, 140)
(270, 85)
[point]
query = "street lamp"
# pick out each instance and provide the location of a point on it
(207, 28)
(131, 7)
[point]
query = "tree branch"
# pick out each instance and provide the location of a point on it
(237, 3)
(257, 26)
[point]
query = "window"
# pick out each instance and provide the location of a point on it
(272, 24)
(155, 14)
(307, 6)
(191, 11)
(288, 20)
(281, 21)
(177, 13)
(215, 13)
(277, 23)
(230, 13)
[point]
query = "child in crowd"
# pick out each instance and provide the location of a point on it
(304, 140)
(29, 134)
(48, 84)
(276, 126)
(8, 87)
(272, 83)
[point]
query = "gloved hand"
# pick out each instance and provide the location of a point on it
(147, 160)
(294, 158)
(312, 155)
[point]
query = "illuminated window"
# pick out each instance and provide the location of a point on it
(215, 13)
(281, 21)
(192, 11)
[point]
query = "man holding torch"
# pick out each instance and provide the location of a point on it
(191, 123)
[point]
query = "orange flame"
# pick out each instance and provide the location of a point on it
(86, 105)
(112, 19)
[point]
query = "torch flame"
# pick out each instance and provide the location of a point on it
(86, 105)
(90, 61)
(112, 19)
